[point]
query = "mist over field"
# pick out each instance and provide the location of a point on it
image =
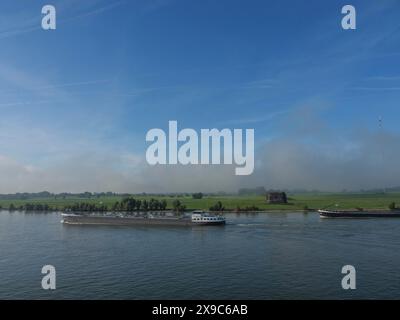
(308, 154)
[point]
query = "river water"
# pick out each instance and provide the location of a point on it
(263, 256)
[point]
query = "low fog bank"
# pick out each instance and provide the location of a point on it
(308, 154)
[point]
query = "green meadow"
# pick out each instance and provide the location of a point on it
(232, 202)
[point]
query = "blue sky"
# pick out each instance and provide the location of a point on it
(84, 96)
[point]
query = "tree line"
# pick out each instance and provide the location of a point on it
(31, 207)
(128, 204)
(132, 204)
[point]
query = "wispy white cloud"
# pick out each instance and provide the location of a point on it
(19, 31)
(23, 103)
(376, 88)
(261, 84)
(384, 78)
(267, 117)
(95, 12)
(32, 25)
(71, 84)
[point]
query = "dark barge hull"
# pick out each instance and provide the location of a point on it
(132, 221)
(358, 214)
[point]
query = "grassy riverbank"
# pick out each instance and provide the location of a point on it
(231, 202)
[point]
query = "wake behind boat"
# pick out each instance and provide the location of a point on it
(196, 218)
(358, 214)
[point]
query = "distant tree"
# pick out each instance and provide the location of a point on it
(163, 205)
(115, 206)
(154, 204)
(198, 195)
(131, 204)
(11, 207)
(217, 207)
(145, 205)
(138, 204)
(392, 206)
(177, 206)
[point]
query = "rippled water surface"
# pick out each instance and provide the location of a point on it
(264, 256)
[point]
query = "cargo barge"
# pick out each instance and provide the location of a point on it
(197, 218)
(358, 214)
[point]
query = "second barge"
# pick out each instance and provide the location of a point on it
(358, 214)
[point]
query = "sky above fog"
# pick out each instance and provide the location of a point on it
(76, 102)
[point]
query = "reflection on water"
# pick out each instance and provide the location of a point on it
(255, 256)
